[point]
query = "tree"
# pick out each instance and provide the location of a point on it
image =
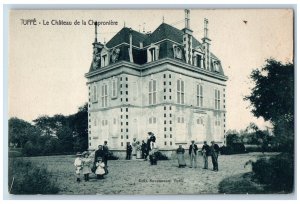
(79, 124)
(272, 98)
(19, 131)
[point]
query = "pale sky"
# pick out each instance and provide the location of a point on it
(47, 63)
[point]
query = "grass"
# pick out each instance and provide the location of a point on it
(138, 177)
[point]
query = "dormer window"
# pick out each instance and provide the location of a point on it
(152, 53)
(198, 60)
(216, 66)
(177, 52)
(104, 57)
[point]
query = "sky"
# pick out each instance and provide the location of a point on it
(47, 63)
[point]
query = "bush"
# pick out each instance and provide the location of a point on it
(161, 156)
(111, 156)
(276, 172)
(253, 148)
(31, 149)
(26, 178)
(235, 148)
(240, 184)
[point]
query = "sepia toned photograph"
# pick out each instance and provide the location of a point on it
(151, 102)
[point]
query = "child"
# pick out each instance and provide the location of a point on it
(100, 171)
(78, 166)
(86, 163)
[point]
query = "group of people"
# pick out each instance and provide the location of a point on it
(147, 149)
(84, 164)
(207, 151)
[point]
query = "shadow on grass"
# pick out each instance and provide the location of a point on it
(241, 184)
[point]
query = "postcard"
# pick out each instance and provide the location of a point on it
(151, 101)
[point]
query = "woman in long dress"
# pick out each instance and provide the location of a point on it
(180, 157)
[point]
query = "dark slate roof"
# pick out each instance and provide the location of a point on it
(162, 32)
(123, 36)
(166, 31)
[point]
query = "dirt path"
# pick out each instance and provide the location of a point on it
(138, 177)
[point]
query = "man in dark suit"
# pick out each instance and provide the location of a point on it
(105, 153)
(214, 151)
(144, 149)
(98, 153)
(148, 148)
(128, 151)
(193, 154)
(205, 153)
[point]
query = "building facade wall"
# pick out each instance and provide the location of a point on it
(122, 110)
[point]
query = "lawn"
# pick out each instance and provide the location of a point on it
(138, 177)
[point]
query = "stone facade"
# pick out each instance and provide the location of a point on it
(153, 88)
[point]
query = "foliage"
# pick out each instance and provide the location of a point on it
(273, 94)
(111, 156)
(235, 148)
(272, 98)
(276, 172)
(20, 132)
(160, 156)
(240, 184)
(231, 139)
(51, 135)
(27, 178)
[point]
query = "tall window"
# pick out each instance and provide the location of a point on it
(95, 93)
(152, 53)
(114, 88)
(180, 91)
(152, 92)
(217, 99)
(104, 95)
(199, 95)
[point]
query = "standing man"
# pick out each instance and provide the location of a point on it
(144, 149)
(99, 153)
(193, 154)
(128, 151)
(214, 150)
(105, 153)
(148, 148)
(205, 152)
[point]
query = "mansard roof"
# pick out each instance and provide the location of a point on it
(166, 31)
(162, 32)
(123, 36)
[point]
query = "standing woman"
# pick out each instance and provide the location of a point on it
(86, 163)
(180, 156)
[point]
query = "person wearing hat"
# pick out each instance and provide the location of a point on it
(205, 153)
(78, 166)
(86, 165)
(214, 150)
(193, 154)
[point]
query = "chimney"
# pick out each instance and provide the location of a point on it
(130, 46)
(95, 32)
(97, 47)
(187, 18)
(188, 38)
(206, 44)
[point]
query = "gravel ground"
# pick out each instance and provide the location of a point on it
(138, 177)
